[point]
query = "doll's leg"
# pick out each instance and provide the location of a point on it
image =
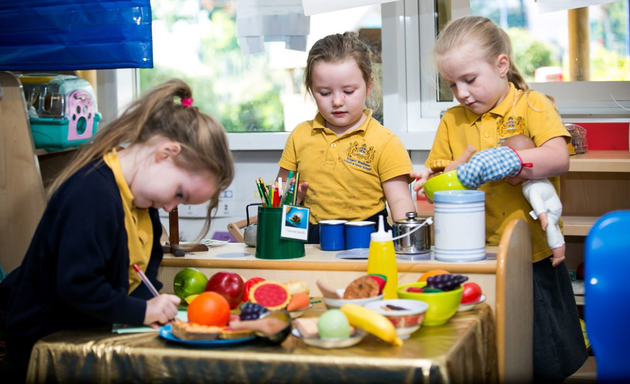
(555, 240)
(558, 255)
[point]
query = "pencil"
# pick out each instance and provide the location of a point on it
(297, 187)
(262, 197)
(146, 281)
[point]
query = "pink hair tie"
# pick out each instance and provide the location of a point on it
(187, 102)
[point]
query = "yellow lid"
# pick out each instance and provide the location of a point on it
(26, 79)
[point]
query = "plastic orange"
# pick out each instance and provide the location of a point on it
(209, 308)
(433, 272)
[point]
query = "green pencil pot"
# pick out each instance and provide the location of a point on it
(269, 245)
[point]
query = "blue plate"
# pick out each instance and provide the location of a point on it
(165, 332)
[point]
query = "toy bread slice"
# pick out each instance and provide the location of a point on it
(307, 326)
(191, 331)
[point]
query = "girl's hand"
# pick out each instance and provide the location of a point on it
(421, 178)
(161, 310)
(302, 188)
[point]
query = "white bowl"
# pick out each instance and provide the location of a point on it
(405, 321)
(331, 343)
(469, 306)
(336, 303)
(299, 312)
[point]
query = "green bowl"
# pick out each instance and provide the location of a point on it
(447, 181)
(442, 305)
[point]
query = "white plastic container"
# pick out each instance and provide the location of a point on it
(460, 225)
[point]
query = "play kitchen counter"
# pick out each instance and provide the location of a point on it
(506, 280)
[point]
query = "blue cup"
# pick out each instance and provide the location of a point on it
(331, 235)
(358, 234)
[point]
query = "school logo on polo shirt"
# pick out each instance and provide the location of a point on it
(510, 127)
(360, 155)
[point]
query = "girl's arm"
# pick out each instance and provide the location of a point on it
(398, 197)
(548, 160)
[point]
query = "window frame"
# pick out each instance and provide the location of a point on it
(410, 103)
(575, 100)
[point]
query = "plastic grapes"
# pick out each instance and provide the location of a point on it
(445, 282)
(252, 311)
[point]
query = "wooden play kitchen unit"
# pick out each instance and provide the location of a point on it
(506, 280)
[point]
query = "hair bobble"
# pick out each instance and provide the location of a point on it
(187, 102)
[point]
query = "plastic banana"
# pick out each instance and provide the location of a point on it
(371, 322)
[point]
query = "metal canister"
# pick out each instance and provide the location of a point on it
(414, 243)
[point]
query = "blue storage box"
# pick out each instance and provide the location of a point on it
(62, 110)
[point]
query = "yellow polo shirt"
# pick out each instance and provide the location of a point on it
(137, 223)
(345, 174)
(532, 115)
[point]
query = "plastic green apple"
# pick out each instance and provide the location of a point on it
(189, 281)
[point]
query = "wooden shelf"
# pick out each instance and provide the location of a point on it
(601, 161)
(579, 299)
(42, 152)
(578, 225)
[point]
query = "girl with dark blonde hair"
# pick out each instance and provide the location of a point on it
(350, 164)
(102, 219)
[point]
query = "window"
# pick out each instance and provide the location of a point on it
(196, 40)
(584, 75)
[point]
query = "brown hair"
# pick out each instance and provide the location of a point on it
(338, 48)
(204, 144)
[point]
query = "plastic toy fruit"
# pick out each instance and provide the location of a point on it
(445, 283)
(209, 308)
(249, 284)
(472, 293)
(229, 285)
(381, 280)
(270, 294)
(188, 282)
(333, 324)
(252, 311)
(433, 272)
(371, 322)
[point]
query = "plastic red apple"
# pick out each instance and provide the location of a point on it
(472, 293)
(229, 285)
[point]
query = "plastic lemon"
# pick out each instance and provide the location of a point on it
(189, 299)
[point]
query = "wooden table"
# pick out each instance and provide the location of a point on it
(506, 281)
(463, 350)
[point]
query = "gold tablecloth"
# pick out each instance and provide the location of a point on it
(463, 350)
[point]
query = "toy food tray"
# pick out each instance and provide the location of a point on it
(62, 110)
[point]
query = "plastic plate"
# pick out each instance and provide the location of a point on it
(165, 332)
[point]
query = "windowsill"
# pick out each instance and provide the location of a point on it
(274, 141)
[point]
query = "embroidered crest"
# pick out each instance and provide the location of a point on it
(510, 127)
(362, 153)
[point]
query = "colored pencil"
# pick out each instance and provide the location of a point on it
(146, 281)
(297, 188)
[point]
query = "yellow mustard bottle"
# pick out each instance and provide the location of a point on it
(382, 259)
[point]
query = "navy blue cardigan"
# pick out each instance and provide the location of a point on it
(75, 272)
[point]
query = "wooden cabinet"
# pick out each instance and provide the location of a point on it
(51, 163)
(598, 182)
